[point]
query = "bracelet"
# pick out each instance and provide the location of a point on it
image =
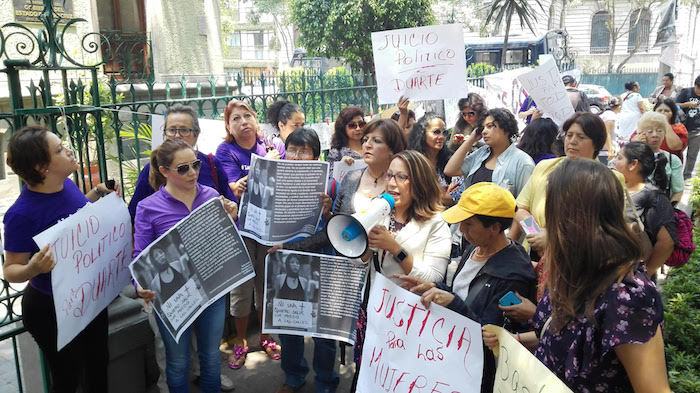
(97, 191)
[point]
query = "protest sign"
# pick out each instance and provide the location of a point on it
(519, 370)
(192, 265)
(409, 347)
(340, 169)
(313, 295)
(506, 89)
(92, 250)
(283, 200)
(420, 63)
(544, 85)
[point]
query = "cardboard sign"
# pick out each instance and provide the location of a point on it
(421, 63)
(518, 370)
(410, 348)
(92, 250)
(544, 85)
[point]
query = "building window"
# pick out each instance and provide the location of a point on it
(233, 39)
(600, 33)
(640, 21)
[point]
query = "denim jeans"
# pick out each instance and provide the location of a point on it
(295, 366)
(209, 327)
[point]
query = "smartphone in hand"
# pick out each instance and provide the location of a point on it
(509, 299)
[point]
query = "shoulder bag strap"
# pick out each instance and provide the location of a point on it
(214, 175)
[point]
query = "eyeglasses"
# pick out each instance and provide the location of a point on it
(299, 153)
(401, 178)
(184, 168)
(184, 132)
(468, 114)
(438, 131)
(356, 124)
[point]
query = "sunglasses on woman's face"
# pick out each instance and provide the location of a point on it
(356, 124)
(438, 131)
(468, 114)
(184, 168)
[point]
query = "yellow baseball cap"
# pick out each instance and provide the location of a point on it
(486, 199)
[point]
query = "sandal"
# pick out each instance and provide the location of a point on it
(272, 349)
(239, 355)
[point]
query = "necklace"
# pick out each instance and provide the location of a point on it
(376, 179)
(485, 256)
(394, 226)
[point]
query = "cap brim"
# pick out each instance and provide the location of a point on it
(455, 214)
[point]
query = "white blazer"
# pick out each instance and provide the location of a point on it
(430, 245)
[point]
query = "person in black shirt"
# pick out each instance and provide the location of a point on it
(689, 101)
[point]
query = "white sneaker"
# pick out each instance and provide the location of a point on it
(226, 384)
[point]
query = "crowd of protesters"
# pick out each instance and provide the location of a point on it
(590, 310)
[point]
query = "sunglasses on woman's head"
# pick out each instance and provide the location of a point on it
(184, 168)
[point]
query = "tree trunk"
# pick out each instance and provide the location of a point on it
(562, 14)
(505, 41)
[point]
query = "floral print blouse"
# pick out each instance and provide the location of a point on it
(582, 353)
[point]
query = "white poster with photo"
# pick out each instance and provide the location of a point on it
(545, 87)
(420, 63)
(192, 265)
(313, 295)
(408, 345)
(283, 199)
(92, 248)
(505, 90)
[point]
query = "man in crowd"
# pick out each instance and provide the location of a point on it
(689, 101)
(578, 98)
(665, 90)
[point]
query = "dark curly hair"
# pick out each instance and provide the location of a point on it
(538, 137)
(340, 137)
(505, 120)
(416, 140)
(674, 109)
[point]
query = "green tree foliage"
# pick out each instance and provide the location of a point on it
(503, 10)
(341, 29)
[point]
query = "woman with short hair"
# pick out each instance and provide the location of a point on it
(653, 127)
(499, 161)
(40, 159)
(234, 153)
(677, 140)
(538, 138)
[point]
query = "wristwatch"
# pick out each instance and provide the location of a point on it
(401, 256)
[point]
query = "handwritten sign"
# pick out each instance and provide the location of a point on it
(421, 63)
(411, 348)
(183, 303)
(544, 85)
(292, 313)
(92, 250)
(506, 88)
(518, 370)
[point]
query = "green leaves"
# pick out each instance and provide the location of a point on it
(341, 29)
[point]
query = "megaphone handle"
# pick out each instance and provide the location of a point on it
(375, 260)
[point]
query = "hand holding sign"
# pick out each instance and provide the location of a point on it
(43, 261)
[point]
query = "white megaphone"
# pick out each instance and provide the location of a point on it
(348, 233)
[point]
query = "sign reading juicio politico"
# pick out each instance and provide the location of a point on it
(421, 63)
(92, 250)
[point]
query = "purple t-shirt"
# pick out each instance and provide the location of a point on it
(143, 187)
(159, 212)
(235, 160)
(34, 212)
